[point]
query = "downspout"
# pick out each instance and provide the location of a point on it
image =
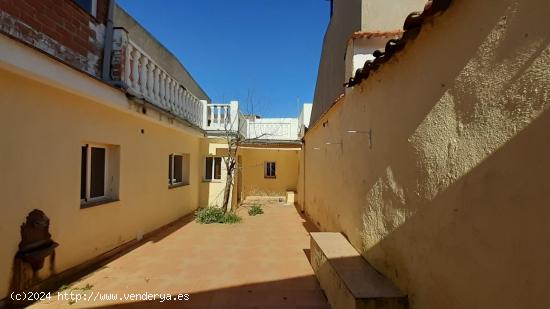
(108, 44)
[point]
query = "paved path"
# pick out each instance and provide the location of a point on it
(259, 263)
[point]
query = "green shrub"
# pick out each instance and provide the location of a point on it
(255, 210)
(230, 218)
(208, 215)
(215, 215)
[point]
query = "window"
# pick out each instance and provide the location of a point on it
(89, 6)
(270, 170)
(213, 168)
(97, 174)
(178, 169)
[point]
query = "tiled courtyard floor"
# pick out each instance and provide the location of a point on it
(259, 263)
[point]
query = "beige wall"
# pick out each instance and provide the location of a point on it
(383, 15)
(42, 132)
(211, 192)
(449, 195)
(254, 183)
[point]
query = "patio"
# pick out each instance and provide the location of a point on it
(259, 263)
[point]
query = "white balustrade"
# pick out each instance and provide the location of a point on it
(146, 79)
(222, 116)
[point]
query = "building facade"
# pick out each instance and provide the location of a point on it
(107, 137)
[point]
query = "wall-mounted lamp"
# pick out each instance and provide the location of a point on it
(330, 143)
(316, 148)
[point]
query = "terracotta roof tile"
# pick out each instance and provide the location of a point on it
(376, 34)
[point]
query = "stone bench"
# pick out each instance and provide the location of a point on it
(347, 279)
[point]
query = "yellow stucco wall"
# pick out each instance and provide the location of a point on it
(448, 197)
(42, 132)
(211, 192)
(254, 183)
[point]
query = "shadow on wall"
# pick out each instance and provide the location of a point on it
(488, 231)
(460, 204)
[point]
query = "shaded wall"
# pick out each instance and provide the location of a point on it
(345, 21)
(448, 195)
(43, 129)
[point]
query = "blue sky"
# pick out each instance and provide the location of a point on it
(264, 53)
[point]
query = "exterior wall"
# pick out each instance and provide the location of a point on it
(382, 15)
(59, 28)
(444, 187)
(346, 19)
(351, 16)
(300, 196)
(360, 50)
(273, 129)
(211, 192)
(254, 183)
(43, 130)
(158, 52)
(304, 118)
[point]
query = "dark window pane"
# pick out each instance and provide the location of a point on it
(85, 4)
(170, 169)
(273, 169)
(97, 169)
(178, 169)
(83, 172)
(270, 169)
(217, 168)
(208, 168)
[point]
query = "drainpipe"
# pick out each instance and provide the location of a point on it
(108, 44)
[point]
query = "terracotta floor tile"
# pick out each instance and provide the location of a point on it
(259, 263)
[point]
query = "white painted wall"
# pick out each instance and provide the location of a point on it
(273, 129)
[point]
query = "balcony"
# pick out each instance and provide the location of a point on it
(145, 79)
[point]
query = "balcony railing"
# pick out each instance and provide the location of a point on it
(145, 79)
(222, 117)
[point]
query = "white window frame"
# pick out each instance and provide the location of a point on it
(87, 199)
(212, 179)
(266, 164)
(171, 179)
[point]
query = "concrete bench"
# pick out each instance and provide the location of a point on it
(348, 280)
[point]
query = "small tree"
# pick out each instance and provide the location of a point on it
(234, 140)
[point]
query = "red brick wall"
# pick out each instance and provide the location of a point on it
(75, 36)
